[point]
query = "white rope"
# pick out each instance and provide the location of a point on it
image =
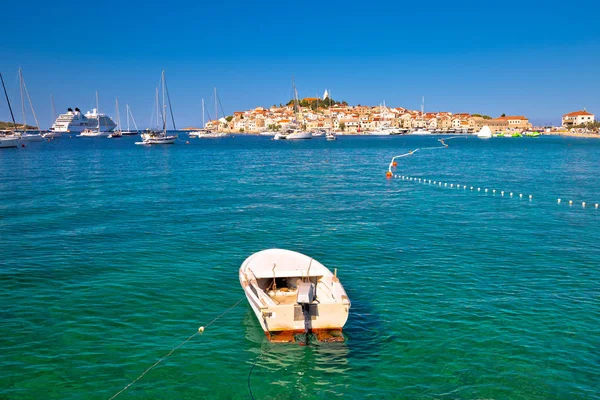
(200, 330)
(443, 146)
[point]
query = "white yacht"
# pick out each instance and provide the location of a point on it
(291, 293)
(383, 131)
(297, 135)
(420, 131)
(75, 121)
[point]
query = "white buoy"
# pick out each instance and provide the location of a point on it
(445, 184)
(201, 329)
(494, 191)
(570, 202)
(429, 181)
(452, 185)
(479, 189)
(520, 195)
(486, 190)
(440, 183)
(596, 205)
(558, 201)
(530, 196)
(502, 193)
(471, 187)
(434, 182)
(583, 204)
(511, 193)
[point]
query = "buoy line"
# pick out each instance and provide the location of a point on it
(389, 174)
(199, 331)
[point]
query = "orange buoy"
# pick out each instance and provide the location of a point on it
(394, 164)
(22, 144)
(388, 174)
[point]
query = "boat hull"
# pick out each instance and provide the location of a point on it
(299, 136)
(8, 142)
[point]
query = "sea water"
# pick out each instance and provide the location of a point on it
(112, 254)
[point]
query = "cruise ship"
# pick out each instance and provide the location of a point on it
(75, 121)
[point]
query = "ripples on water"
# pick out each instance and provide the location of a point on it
(114, 253)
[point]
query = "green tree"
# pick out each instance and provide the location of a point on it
(503, 115)
(229, 118)
(342, 126)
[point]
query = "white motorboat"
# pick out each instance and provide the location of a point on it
(420, 131)
(318, 133)
(207, 134)
(94, 133)
(330, 136)
(268, 133)
(51, 135)
(383, 131)
(298, 135)
(485, 133)
(30, 137)
(291, 293)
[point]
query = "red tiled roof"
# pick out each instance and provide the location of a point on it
(577, 113)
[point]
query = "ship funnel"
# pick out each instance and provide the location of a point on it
(77, 109)
(69, 109)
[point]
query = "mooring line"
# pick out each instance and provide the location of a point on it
(200, 330)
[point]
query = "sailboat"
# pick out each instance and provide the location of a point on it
(209, 134)
(7, 141)
(51, 134)
(95, 132)
(117, 133)
(294, 133)
(329, 135)
(161, 137)
(422, 131)
(129, 132)
(24, 135)
(384, 129)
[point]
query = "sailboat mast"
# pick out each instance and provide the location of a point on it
(127, 112)
(8, 101)
(97, 111)
(23, 115)
(37, 124)
(118, 116)
(53, 107)
(164, 105)
(216, 110)
(202, 113)
(157, 123)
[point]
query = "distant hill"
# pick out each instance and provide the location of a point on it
(10, 126)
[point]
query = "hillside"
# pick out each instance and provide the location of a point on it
(10, 126)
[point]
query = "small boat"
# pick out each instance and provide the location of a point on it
(299, 135)
(330, 136)
(207, 134)
(51, 135)
(117, 133)
(291, 293)
(485, 133)
(420, 131)
(279, 136)
(30, 137)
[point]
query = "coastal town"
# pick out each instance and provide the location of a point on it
(324, 114)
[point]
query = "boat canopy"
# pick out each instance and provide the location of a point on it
(279, 263)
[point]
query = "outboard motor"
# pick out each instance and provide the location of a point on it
(306, 295)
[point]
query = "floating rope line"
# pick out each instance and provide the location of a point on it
(428, 181)
(200, 330)
(494, 192)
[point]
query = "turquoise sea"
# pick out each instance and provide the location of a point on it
(112, 254)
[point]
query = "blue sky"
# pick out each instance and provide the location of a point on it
(537, 59)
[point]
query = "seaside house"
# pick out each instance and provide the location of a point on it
(577, 118)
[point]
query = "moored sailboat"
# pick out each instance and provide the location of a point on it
(8, 139)
(161, 137)
(25, 135)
